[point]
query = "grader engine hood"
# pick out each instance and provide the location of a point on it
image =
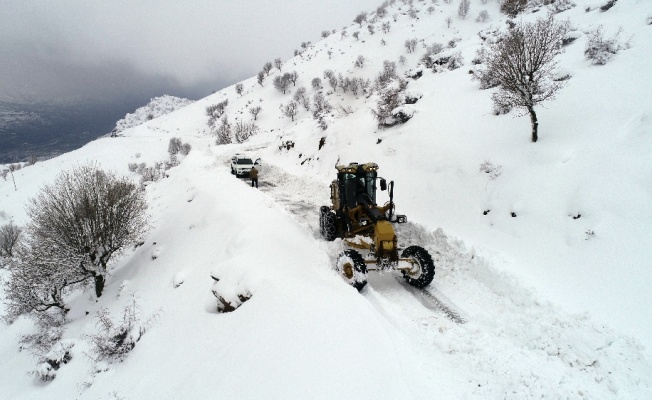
(385, 238)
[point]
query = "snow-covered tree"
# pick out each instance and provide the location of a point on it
(267, 68)
(282, 82)
(290, 110)
(523, 63)
(9, 236)
(255, 111)
(410, 45)
(77, 225)
(463, 8)
(223, 132)
(360, 18)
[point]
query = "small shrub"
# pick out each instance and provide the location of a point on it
(463, 8)
(50, 363)
(608, 5)
(513, 7)
(223, 132)
(494, 171)
(185, 149)
(267, 68)
(244, 130)
(483, 16)
(255, 111)
(410, 45)
(116, 339)
(600, 49)
(174, 146)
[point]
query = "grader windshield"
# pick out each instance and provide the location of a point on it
(358, 184)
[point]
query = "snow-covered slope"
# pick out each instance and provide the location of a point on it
(547, 308)
(155, 108)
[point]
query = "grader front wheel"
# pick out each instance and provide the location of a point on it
(350, 265)
(424, 273)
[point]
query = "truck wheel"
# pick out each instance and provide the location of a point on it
(351, 266)
(327, 224)
(426, 267)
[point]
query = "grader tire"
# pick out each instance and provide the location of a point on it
(426, 273)
(350, 265)
(327, 224)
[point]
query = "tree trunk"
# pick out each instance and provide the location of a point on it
(535, 124)
(99, 284)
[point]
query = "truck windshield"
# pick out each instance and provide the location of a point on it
(244, 161)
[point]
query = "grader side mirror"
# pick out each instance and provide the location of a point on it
(383, 184)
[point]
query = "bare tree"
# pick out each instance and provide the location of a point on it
(244, 130)
(513, 7)
(410, 45)
(282, 82)
(356, 35)
(483, 16)
(223, 132)
(9, 237)
(78, 224)
(325, 34)
(301, 97)
(463, 8)
(359, 62)
(316, 83)
(385, 27)
(360, 18)
(278, 63)
(215, 111)
(267, 68)
(239, 88)
(292, 77)
(255, 111)
(290, 110)
(261, 77)
(522, 65)
(321, 106)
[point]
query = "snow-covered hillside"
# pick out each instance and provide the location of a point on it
(155, 108)
(541, 249)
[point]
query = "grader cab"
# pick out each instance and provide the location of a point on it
(355, 217)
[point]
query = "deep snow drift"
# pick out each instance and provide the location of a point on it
(553, 305)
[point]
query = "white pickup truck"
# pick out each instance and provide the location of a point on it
(241, 164)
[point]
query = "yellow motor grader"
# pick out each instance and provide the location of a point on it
(355, 217)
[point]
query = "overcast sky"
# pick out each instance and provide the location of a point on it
(66, 49)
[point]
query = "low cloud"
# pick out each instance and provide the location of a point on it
(77, 49)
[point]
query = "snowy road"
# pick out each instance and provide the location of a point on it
(497, 333)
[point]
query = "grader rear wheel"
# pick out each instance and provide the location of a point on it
(352, 268)
(327, 224)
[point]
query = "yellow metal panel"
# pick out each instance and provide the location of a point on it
(384, 231)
